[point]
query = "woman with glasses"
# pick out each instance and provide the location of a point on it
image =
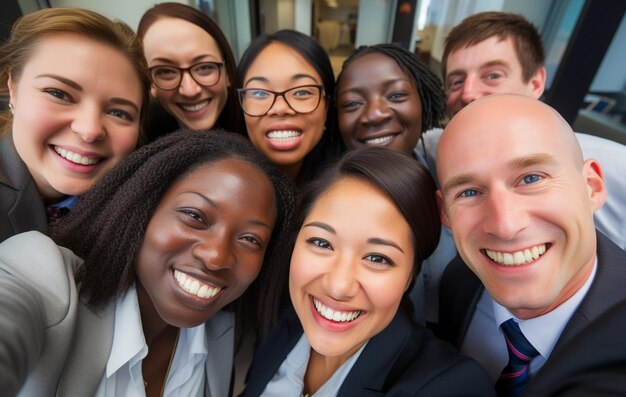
(288, 84)
(192, 68)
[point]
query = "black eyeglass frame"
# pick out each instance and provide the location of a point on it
(189, 69)
(282, 93)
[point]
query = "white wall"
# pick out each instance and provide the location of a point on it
(129, 11)
(302, 16)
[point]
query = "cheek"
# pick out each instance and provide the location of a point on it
(124, 141)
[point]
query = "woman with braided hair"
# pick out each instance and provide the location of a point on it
(181, 243)
(386, 96)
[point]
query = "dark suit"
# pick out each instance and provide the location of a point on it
(596, 357)
(461, 290)
(403, 360)
(21, 207)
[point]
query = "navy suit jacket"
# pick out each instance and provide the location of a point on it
(405, 359)
(461, 289)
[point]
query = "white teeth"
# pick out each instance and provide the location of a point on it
(517, 258)
(283, 135)
(196, 107)
(379, 141)
(195, 287)
(75, 157)
(335, 315)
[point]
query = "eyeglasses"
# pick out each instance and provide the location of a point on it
(169, 77)
(256, 102)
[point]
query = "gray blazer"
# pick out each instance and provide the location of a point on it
(21, 207)
(51, 343)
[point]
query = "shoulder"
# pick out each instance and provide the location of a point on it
(437, 369)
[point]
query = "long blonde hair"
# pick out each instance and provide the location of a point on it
(31, 28)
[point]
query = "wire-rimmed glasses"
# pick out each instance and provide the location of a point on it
(168, 77)
(256, 102)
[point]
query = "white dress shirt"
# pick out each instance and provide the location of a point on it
(289, 379)
(123, 375)
(485, 343)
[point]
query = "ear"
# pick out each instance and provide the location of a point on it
(442, 209)
(153, 90)
(594, 178)
(537, 83)
(11, 87)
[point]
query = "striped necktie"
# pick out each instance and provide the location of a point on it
(514, 376)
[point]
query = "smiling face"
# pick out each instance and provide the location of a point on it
(349, 271)
(282, 135)
(179, 43)
(205, 242)
(77, 105)
(378, 105)
(523, 220)
(489, 67)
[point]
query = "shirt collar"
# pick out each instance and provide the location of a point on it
(544, 331)
(129, 343)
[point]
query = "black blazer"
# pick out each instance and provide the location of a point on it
(596, 361)
(21, 207)
(405, 359)
(460, 291)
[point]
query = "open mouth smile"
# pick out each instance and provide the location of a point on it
(517, 258)
(195, 286)
(335, 315)
(75, 157)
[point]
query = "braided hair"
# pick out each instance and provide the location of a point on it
(426, 82)
(108, 225)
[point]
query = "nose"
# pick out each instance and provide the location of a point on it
(341, 281)
(280, 107)
(215, 253)
(471, 90)
(87, 123)
(188, 86)
(376, 112)
(504, 216)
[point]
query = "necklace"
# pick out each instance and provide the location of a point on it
(169, 365)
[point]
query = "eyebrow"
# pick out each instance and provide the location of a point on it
(385, 84)
(515, 164)
(463, 72)
(371, 240)
(215, 206)
(197, 58)
(296, 76)
(76, 86)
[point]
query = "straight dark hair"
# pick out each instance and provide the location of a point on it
(331, 146)
(108, 225)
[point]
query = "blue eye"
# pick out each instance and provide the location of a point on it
(258, 94)
(532, 178)
(468, 193)
(57, 93)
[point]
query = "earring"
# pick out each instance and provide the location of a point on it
(11, 108)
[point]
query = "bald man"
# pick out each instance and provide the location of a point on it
(520, 199)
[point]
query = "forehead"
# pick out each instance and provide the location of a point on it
(489, 50)
(375, 64)
(493, 138)
(227, 173)
(174, 37)
(292, 65)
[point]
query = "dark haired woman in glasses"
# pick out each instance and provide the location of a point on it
(286, 98)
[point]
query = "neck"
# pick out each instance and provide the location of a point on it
(151, 322)
(291, 170)
(319, 369)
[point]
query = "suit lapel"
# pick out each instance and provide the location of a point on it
(220, 330)
(459, 293)
(272, 352)
(372, 369)
(90, 352)
(608, 288)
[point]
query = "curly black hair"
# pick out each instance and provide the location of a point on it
(108, 225)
